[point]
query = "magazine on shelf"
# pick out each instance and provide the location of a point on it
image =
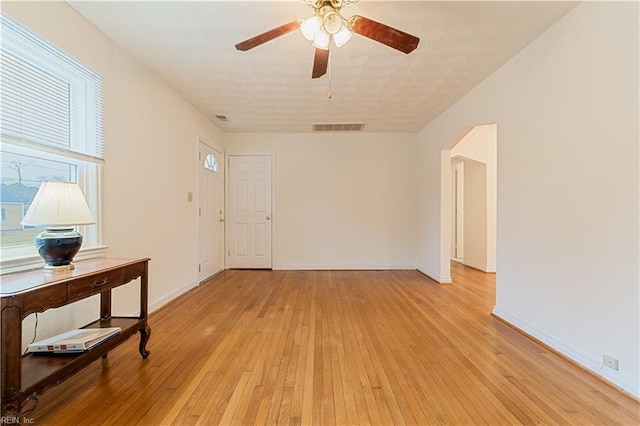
(78, 340)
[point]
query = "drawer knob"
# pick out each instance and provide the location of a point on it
(100, 283)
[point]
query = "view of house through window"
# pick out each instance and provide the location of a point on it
(21, 178)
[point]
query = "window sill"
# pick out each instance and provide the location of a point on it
(25, 263)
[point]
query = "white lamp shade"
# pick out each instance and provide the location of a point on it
(322, 40)
(342, 36)
(309, 27)
(58, 204)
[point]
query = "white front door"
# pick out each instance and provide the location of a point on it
(210, 217)
(249, 212)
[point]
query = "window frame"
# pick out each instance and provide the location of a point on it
(85, 138)
(89, 177)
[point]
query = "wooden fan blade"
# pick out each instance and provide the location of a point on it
(269, 35)
(320, 62)
(384, 34)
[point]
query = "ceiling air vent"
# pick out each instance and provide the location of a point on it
(222, 117)
(338, 127)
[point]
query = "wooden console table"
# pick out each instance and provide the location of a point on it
(24, 293)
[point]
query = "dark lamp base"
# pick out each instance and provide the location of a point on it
(58, 247)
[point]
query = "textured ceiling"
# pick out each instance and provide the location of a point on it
(190, 45)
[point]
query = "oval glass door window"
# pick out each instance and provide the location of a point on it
(210, 163)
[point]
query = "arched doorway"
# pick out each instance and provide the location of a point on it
(469, 210)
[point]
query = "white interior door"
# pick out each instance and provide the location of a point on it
(210, 216)
(249, 212)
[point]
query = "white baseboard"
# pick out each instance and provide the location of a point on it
(626, 383)
(474, 265)
(478, 266)
(434, 276)
(157, 304)
(342, 267)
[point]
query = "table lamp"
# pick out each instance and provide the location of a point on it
(59, 207)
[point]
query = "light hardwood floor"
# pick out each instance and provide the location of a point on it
(334, 347)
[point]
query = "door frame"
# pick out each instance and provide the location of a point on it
(274, 215)
(457, 199)
(196, 201)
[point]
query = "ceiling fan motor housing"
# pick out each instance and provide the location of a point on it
(334, 4)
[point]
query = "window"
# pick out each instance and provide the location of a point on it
(50, 129)
(210, 163)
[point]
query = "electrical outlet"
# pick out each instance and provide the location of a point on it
(611, 362)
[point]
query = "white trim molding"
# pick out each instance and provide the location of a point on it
(157, 304)
(436, 277)
(34, 261)
(626, 383)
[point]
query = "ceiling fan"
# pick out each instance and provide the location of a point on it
(328, 24)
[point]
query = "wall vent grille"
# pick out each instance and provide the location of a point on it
(338, 127)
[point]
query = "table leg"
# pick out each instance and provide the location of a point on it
(11, 360)
(105, 305)
(145, 333)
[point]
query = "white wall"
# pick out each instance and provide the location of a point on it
(429, 228)
(150, 138)
(342, 201)
(568, 190)
(475, 214)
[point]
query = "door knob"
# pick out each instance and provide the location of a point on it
(222, 219)
(268, 217)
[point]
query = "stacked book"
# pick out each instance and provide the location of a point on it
(78, 340)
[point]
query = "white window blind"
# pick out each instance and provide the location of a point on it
(35, 105)
(48, 100)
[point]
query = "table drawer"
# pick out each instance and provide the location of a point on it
(96, 283)
(132, 272)
(42, 299)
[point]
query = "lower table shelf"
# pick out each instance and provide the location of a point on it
(41, 371)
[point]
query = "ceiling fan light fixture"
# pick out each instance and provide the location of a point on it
(342, 36)
(310, 27)
(322, 39)
(332, 22)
